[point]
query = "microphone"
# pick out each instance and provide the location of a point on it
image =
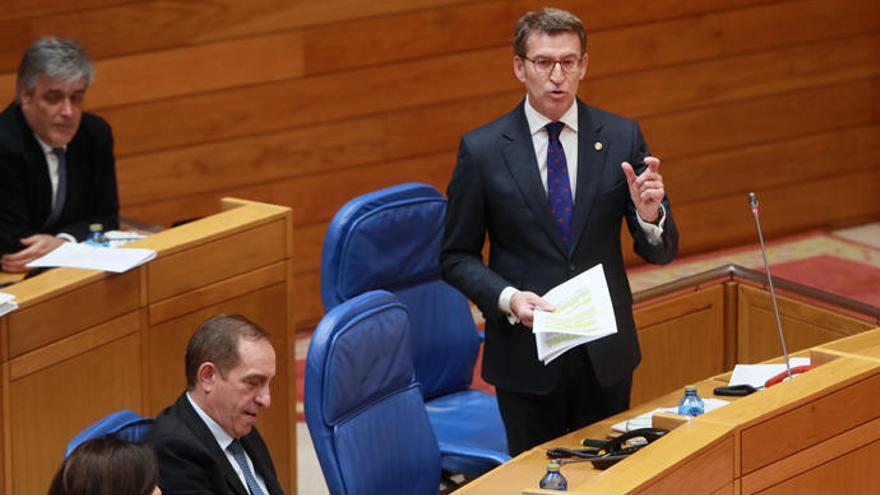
(753, 204)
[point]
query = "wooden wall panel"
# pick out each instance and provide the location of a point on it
(690, 325)
(854, 472)
(804, 326)
(114, 384)
(274, 100)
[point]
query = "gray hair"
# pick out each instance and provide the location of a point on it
(547, 20)
(58, 59)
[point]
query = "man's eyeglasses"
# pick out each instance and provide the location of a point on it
(545, 65)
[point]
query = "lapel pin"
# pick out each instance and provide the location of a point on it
(598, 146)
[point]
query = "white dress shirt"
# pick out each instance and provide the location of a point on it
(223, 440)
(568, 137)
(52, 163)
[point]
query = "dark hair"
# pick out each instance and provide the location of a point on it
(56, 58)
(216, 341)
(107, 466)
(547, 20)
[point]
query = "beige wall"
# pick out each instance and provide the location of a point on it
(308, 104)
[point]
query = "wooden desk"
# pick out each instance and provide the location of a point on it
(797, 437)
(86, 343)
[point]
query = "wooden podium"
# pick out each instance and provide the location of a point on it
(85, 343)
(817, 433)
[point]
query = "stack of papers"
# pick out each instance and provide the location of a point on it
(583, 313)
(108, 259)
(7, 303)
(757, 374)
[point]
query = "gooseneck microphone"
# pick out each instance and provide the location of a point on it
(753, 204)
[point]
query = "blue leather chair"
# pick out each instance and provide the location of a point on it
(125, 424)
(363, 408)
(390, 239)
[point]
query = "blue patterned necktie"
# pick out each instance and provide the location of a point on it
(558, 184)
(238, 454)
(61, 194)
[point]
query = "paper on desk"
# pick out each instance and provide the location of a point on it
(7, 303)
(644, 420)
(583, 313)
(756, 374)
(118, 238)
(74, 255)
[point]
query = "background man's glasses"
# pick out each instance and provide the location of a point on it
(544, 65)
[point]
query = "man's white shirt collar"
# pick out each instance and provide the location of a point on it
(223, 438)
(537, 122)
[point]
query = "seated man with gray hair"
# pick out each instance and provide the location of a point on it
(57, 169)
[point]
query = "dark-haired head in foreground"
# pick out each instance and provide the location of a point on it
(108, 466)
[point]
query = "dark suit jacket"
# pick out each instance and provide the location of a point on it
(25, 190)
(191, 461)
(496, 189)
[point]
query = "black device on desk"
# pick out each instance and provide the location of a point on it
(735, 390)
(613, 450)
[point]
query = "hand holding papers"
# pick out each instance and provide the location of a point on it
(74, 255)
(583, 313)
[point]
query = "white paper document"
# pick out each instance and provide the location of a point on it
(7, 303)
(644, 420)
(583, 313)
(74, 255)
(756, 374)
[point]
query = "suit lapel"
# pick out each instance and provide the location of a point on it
(519, 156)
(592, 153)
(201, 431)
(36, 160)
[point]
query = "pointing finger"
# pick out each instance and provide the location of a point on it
(628, 172)
(653, 163)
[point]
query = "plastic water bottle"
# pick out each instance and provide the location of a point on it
(691, 404)
(96, 236)
(554, 480)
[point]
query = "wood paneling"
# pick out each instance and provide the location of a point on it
(691, 325)
(274, 100)
(33, 328)
(854, 472)
(809, 424)
(112, 383)
(804, 325)
(81, 350)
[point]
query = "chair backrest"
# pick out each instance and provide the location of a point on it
(390, 239)
(125, 424)
(365, 413)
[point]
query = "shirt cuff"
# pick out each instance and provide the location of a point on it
(504, 304)
(66, 237)
(653, 232)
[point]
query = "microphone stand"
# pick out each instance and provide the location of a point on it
(753, 203)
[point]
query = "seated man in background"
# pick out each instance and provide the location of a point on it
(57, 170)
(206, 442)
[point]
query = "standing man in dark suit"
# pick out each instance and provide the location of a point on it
(206, 442)
(57, 170)
(550, 183)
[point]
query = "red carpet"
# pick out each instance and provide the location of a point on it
(846, 278)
